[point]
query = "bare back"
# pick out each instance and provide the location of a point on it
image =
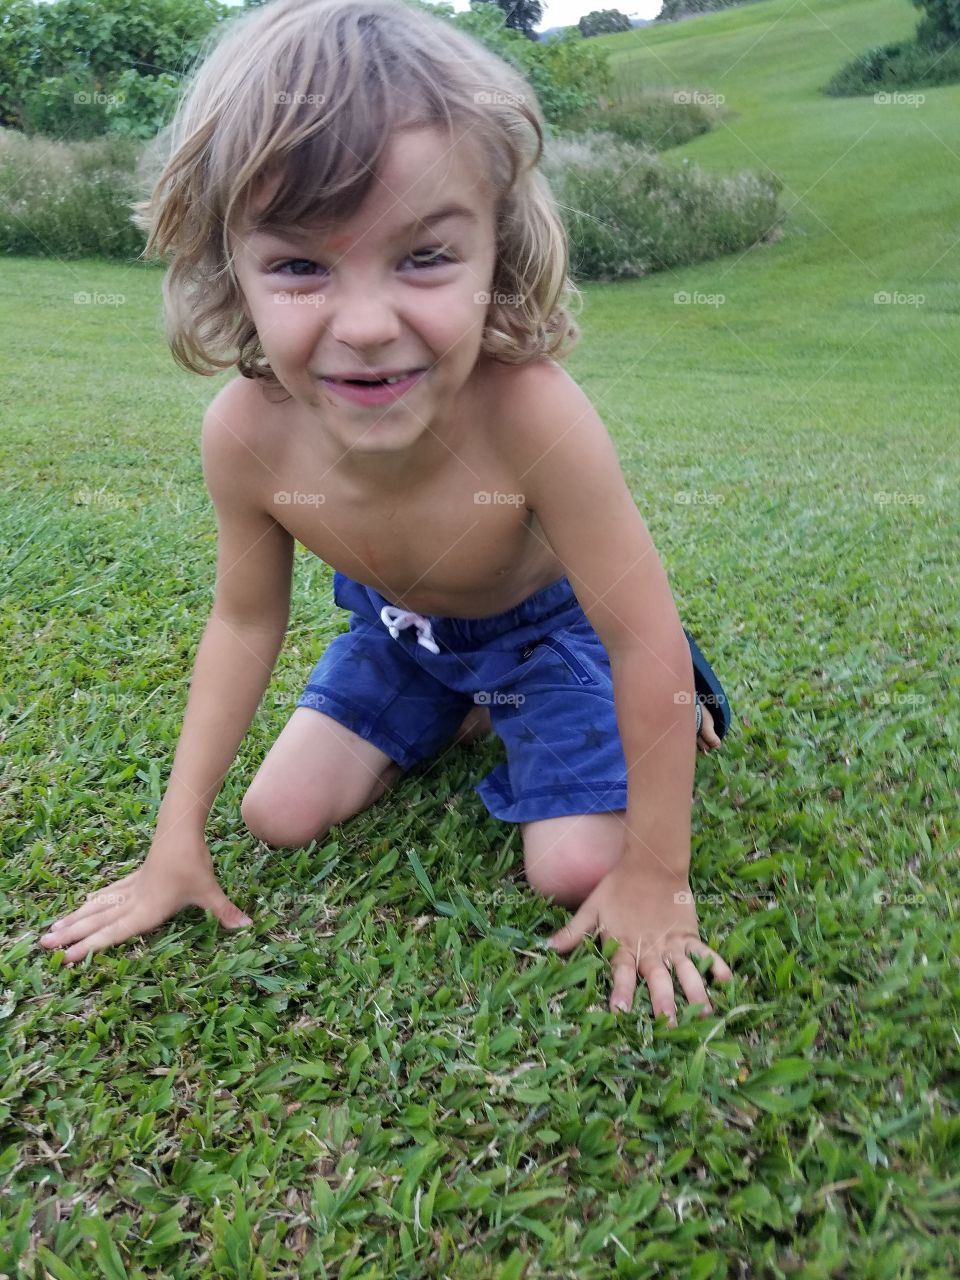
(457, 542)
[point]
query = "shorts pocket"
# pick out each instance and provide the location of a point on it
(581, 673)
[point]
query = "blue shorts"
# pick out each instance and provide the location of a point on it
(539, 667)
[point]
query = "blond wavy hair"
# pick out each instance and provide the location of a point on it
(311, 90)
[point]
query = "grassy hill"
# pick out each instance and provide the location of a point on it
(383, 1077)
(870, 188)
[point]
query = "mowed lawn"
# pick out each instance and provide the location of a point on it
(386, 1076)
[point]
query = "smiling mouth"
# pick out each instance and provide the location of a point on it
(376, 382)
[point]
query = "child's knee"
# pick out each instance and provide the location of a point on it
(566, 858)
(281, 826)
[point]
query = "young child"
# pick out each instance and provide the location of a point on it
(356, 221)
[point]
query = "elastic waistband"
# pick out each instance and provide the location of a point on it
(551, 602)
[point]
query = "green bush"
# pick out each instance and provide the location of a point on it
(940, 25)
(654, 120)
(141, 105)
(68, 199)
(628, 213)
(908, 65)
(567, 73)
(70, 107)
(124, 55)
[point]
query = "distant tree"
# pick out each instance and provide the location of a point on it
(941, 24)
(601, 21)
(522, 15)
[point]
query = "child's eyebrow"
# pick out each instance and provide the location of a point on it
(282, 232)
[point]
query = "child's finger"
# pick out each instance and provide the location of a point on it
(70, 930)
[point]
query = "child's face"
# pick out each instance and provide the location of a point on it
(362, 300)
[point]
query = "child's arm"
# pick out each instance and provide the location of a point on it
(234, 661)
(568, 469)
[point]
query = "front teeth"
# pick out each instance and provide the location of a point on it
(400, 377)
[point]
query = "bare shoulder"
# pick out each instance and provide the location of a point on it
(545, 416)
(237, 442)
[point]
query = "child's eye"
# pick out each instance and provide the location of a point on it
(436, 259)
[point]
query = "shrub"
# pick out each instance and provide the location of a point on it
(628, 213)
(941, 22)
(567, 73)
(907, 65)
(675, 9)
(69, 199)
(653, 120)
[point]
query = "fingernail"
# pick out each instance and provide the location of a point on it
(245, 920)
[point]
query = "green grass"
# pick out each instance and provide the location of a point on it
(385, 1076)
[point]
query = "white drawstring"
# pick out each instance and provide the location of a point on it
(395, 620)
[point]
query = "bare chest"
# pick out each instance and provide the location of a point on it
(460, 544)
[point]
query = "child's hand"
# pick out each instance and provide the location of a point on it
(175, 874)
(654, 918)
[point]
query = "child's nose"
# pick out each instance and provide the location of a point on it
(363, 322)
